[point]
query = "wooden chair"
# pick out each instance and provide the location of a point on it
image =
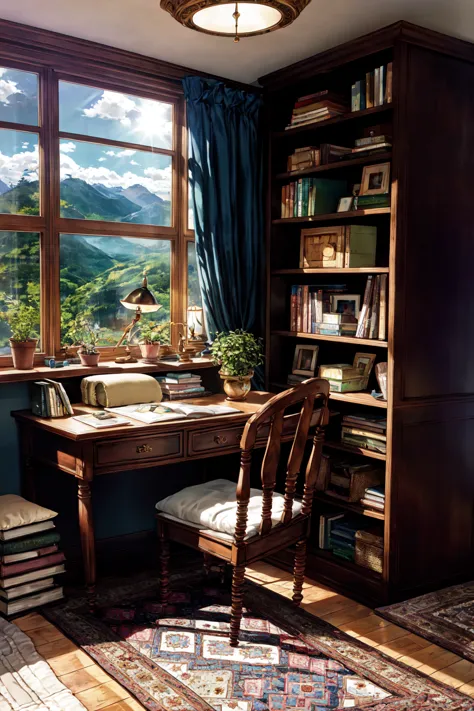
(241, 550)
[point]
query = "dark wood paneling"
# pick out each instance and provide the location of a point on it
(433, 335)
(432, 495)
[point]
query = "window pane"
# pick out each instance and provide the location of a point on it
(18, 96)
(194, 292)
(119, 117)
(19, 171)
(19, 277)
(97, 272)
(100, 183)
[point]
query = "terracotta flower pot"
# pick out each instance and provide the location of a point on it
(89, 360)
(23, 353)
(150, 352)
(236, 387)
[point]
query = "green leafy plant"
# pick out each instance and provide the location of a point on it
(237, 352)
(23, 319)
(150, 333)
(81, 332)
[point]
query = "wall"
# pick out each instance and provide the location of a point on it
(123, 503)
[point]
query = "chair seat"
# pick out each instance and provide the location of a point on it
(213, 505)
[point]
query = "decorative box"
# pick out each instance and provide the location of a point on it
(369, 550)
(348, 482)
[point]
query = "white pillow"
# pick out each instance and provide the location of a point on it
(213, 505)
(16, 511)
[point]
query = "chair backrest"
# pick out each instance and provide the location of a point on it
(314, 395)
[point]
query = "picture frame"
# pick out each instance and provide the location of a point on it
(345, 204)
(364, 361)
(305, 360)
(375, 179)
(322, 247)
(346, 304)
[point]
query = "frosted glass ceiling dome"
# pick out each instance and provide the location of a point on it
(235, 19)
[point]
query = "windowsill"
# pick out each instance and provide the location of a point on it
(10, 375)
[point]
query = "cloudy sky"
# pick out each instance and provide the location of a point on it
(91, 112)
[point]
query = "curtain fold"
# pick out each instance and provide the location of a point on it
(225, 169)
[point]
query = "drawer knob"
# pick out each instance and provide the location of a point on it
(141, 448)
(220, 439)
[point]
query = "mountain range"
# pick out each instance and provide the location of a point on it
(81, 200)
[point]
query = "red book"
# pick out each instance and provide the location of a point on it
(44, 561)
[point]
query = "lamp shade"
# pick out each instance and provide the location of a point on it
(141, 298)
(196, 320)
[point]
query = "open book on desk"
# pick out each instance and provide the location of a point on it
(153, 412)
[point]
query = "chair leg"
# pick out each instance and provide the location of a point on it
(164, 564)
(238, 576)
(298, 572)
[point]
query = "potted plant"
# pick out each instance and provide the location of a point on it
(23, 319)
(238, 353)
(149, 341)
(86, 336)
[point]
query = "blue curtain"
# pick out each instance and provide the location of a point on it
(225, 167)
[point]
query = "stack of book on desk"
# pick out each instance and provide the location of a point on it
(374, 498)
(366, 432)
(182, 386)
(49, 399)
(29, 561)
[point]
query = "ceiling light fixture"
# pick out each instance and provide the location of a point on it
(234, 19)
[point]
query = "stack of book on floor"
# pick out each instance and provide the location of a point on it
(365, 432)
(372, 322)
(49, 399)
(303, 158)
(182, 386)
(30, 560)
(374, 498)
(316, 107)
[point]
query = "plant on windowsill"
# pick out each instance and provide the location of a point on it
(23, 319)
(85, 335)
(238, 353)
(149, 341)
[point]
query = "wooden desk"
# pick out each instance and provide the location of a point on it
(83, 452)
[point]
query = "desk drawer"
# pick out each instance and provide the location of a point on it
(148, 447)
(214, 440)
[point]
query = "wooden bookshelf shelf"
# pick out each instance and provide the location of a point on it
(348, 564)
(351, 215)
(356, 450)
(348, 270)
(347, 506)
(351, 116)
(362, 398)
(366, 160)
(338, 339)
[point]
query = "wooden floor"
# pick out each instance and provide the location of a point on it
(97, 690)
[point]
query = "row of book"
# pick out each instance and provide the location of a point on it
(49, 399)
(368, 434)
(30, 560)
(320, 106)
(375, 89)
(311, 196)
(304, 158)
(182, 386)
(333, 153)
(347, 537)
(308, 304)
(372, 322)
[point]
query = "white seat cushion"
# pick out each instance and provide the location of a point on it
(213, 505)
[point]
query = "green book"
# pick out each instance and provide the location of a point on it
(328, 193)
(30, 543)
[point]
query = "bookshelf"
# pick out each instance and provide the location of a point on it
(429, 487)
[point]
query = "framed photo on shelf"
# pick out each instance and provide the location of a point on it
(375, 179)
(347, 304)
(322, 247)
(304, 360)
(345, 204)
(364, 362)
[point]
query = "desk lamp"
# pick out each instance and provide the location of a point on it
(140, 300)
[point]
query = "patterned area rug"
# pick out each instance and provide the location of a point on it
(445, 617)
(179, 659)
(27, 682)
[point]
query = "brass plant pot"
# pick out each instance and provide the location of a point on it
(23, 353)
(236, 387)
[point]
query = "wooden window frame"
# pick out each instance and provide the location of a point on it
(49, 224)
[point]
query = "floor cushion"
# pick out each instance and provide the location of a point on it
(213, 505)
(16, 511)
